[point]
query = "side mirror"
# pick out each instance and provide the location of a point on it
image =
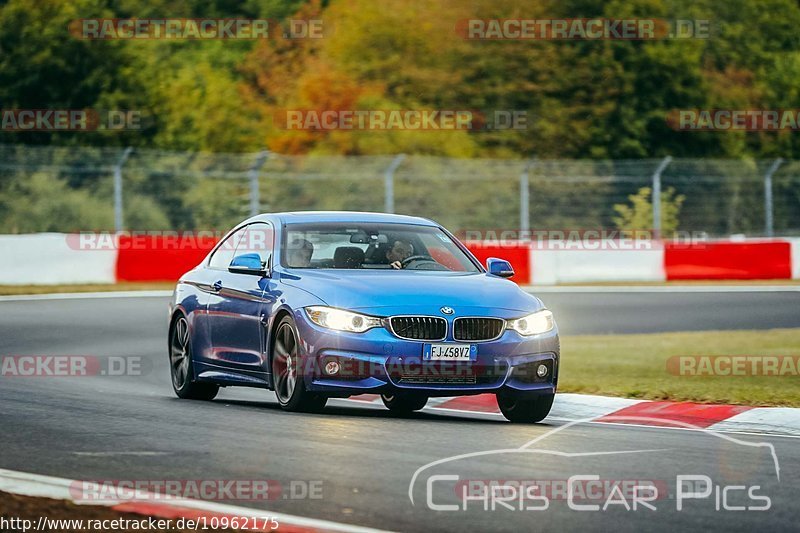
(499, 267)
(248, 264)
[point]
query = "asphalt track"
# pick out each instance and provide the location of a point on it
(650, 312)
(133, 428)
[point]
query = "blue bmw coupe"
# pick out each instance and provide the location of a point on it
(318, 305)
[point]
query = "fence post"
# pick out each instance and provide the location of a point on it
(252, 174)
(768, 217)
(388, 183)
(118, 188)
(656, 201)
(525, 197)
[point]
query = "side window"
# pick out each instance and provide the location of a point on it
(441, 249)
(224, 254)
(259, 240)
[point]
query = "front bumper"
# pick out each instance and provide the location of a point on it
(377, 361)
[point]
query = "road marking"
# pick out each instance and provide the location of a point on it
(713, 427)
(115, 454)
(39, 486)
(620, 289)
(85, 295)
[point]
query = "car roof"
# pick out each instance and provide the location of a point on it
(344, 216)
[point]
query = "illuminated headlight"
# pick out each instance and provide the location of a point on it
(539, 322)
(341, 320)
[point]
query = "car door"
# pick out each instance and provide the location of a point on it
(237, 306)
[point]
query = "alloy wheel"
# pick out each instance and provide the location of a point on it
(285, 362)
(179, 353)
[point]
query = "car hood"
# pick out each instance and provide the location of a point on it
(387, 293)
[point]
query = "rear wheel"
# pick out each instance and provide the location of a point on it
(181, 366)
(404, 403)
(527, 410)
(287, 379)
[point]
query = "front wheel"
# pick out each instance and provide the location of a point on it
(287, 379)
(403, 403)
(526, 410)
(181, 367)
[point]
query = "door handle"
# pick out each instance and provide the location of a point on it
(217, 286)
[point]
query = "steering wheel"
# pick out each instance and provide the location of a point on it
(410, 259)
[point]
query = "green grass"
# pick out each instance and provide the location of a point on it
(48, 289)
(635, 366)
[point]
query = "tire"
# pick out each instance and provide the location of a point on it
(404, 403)
(521, 410)
(289, 386)
(181, 366)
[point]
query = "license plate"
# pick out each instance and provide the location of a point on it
(449, 352)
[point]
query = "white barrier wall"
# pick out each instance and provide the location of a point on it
(549, 267)
(795, 246)
(49, 259)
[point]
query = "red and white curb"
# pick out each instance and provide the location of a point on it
(604, 409)
(35, 485)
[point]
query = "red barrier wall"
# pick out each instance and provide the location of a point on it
(158, 258)
(519, 257)
(728, 260)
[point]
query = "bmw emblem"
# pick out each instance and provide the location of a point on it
(447, 310)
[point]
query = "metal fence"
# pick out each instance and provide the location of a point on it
(83, 188)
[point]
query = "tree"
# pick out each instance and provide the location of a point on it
(638, 214)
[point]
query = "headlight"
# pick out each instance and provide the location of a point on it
(341, 320)
(539, 322)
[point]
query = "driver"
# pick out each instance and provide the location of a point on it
(298, 253)
(399, 251)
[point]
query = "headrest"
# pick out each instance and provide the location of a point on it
(377, 253)
(348, 257)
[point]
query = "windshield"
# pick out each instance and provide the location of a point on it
(372, 246)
